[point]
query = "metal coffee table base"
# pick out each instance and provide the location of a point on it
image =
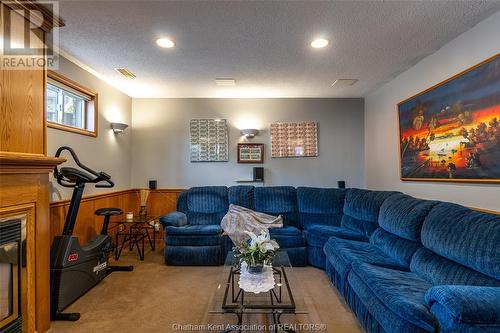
(234, 300)
(276, 321)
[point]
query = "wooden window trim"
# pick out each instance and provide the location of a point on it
(93, 102)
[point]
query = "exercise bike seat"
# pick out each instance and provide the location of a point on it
(108, 211)
(76, 175)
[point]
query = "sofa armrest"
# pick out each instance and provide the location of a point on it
(174, 219)
(472, 305)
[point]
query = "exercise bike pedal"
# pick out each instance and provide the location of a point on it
(111, 269)
(70, 316)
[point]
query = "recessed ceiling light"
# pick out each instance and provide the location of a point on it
(165, 43)
(319, 43)
(226, 82)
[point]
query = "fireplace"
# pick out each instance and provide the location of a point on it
(12, 273)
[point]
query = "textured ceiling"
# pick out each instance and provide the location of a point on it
(264, 45)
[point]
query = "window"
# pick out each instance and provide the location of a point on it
(70, 106)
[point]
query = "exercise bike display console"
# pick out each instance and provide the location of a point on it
(75, 269)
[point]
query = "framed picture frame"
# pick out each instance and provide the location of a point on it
(295, 139)
(209, 140)
(451, 131)
(251, 153)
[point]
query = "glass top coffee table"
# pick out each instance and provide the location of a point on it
(134, 232)
(283, 297)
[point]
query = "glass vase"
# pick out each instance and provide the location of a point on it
(142, 212)
(256, 269)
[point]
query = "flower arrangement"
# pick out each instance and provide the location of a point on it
(257, 251)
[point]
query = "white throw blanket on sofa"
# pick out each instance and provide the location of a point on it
(240, 219)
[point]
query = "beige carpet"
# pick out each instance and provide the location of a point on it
(159, 298)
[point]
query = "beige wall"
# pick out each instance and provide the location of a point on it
(160, 145)
(108, 152)
(381, 135)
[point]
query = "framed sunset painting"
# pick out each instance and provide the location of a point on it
(451, 132)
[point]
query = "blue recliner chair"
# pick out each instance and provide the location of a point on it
(193, 234)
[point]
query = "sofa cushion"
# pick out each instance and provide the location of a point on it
(241, 195)
(457, 306)
(192, 240)
(320, 205)
(399, 249)
(207, 199)
(288, 237)
(277, 200)
(468, 237)
(343, 253)
(403, 215)
(191, 230)
(439, 270)
(365, 204)
(311, 219)
(361, 210)
(317, 235)
(287, 230)
(400, 292)
(204, 218)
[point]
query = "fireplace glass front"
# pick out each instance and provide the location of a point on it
(12, 238)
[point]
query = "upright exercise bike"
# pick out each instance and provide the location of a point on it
(75, 269)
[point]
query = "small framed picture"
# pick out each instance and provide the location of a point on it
(251, 153)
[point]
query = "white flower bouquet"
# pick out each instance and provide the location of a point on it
(257, 251)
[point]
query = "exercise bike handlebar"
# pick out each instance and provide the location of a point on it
(99, 176)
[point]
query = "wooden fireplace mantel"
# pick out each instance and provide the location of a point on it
(27, 163)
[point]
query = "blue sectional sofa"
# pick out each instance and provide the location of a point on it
(401, 263)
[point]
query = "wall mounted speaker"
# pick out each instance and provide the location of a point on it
(341, 183)
(152, 184)
(258, 174)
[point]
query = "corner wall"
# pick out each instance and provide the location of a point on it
(107, 152)
(160, 147)
(381, 118)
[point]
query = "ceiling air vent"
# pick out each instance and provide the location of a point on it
(125, 72)
(341, 83)
(225, 82)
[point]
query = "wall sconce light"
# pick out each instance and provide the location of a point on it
(249, 133)
(118, 127)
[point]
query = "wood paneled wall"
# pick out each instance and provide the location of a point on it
(161, 201)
